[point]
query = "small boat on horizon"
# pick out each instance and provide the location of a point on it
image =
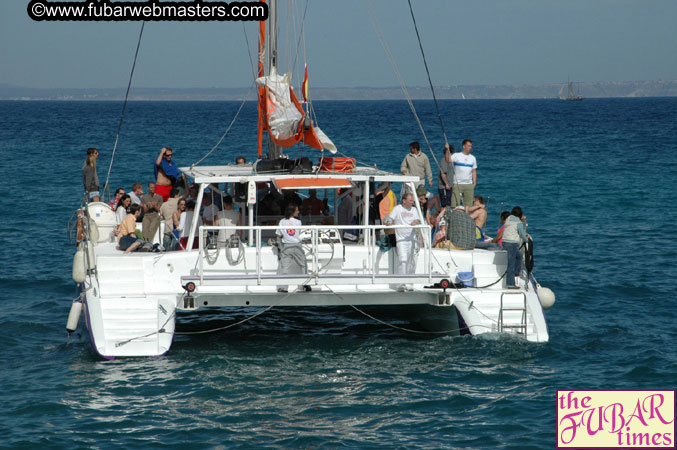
(572, 94)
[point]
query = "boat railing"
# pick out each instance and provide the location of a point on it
(317, 233)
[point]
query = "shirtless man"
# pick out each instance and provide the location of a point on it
(477, 211)
(166, 173)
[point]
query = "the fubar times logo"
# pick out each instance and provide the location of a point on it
(608, 418)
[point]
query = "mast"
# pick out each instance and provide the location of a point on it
(280, 112)
(274, 150)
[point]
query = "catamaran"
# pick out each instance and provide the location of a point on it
(132, 302)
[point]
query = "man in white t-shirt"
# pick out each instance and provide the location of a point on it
(228, 217)
(407, 243)
(465, 175)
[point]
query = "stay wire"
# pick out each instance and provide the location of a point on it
(403, 86)
(124, 107)
(425, 63)
(232, 122)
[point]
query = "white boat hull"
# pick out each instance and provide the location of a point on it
(131, 300)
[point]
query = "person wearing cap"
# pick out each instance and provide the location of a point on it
(407, 242)
(441, 235)
(465, 175)
(422, 195)
(416, 163)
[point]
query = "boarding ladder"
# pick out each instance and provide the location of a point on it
(513, 313)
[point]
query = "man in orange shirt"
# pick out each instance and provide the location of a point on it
(387, 202)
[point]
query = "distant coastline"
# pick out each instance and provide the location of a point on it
(602, 89)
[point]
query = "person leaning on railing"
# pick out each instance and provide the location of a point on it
(292, 257)
(407, 243)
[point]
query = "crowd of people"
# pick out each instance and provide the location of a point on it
(458, 216)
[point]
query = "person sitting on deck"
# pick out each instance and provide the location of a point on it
(460, 230)
(312, 205)
(478, 213)
(441, 234)
(291, 255)
(127, 239)
(136, 193)
(119, 192)
(121, 209)
(499, 234)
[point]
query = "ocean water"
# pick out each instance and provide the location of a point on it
(596, 180)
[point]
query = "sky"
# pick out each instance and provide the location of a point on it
(465, 43)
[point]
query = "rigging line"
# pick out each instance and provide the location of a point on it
(124, 107)
(390, 324)
(425, 63)
(301, 36)
(212, 330)
(249, 50)
(244, 100)
(403, 86)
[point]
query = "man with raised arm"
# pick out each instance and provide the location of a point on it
(465, 175)
(166, 173)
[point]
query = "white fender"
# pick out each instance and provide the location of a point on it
(546, 296)
(93, 232)
(79, 265)
(74, 316)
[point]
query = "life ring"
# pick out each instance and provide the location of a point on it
(337, 164)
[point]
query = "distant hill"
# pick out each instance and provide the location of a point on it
(602, 89)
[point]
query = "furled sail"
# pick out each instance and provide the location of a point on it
(280, 112)
(283, 115)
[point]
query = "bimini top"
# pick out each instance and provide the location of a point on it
(242, 173)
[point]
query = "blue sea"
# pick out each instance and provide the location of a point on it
(596, 179)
